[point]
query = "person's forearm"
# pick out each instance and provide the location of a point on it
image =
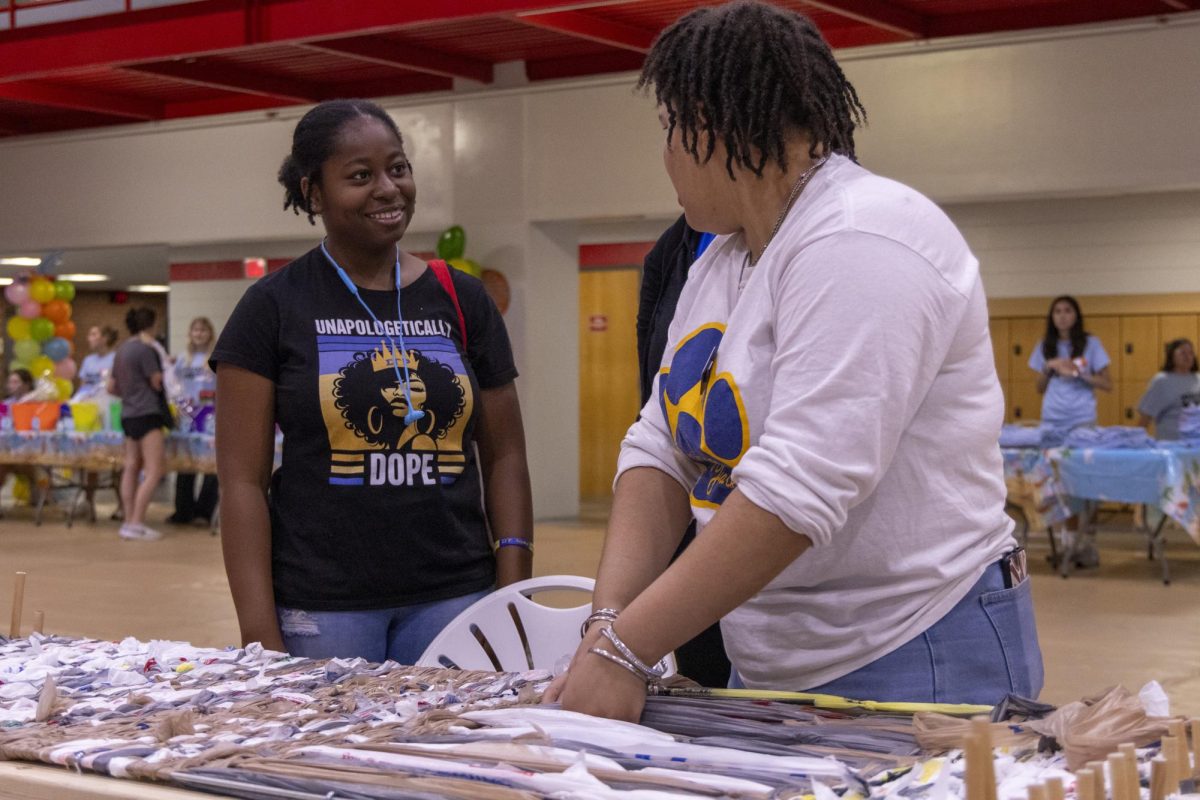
(650, 513)
(510, 515)
(246, 545)
(740, 552)
(1043, 381)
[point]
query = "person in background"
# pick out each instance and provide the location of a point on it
(392, 381)
(828, 375)
(1176, 387)
(137, 379)
(97, 365)
(93, 381)
(19, 388)
(664, 272)
(1071, 365)
(197, 388)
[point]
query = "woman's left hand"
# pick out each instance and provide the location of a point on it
(594, 685)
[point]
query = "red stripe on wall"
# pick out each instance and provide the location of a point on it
(607, 256)
(206, 271)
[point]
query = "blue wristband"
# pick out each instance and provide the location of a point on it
(514, 542)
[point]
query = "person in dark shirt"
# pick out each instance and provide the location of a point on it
(386, 376)
(664, 272)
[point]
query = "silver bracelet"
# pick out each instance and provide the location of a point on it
(606, 614)
(648, 673)
(616, 659)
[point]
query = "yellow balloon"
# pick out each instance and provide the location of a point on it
(65, 388)
(41, 290)
(42, 365)
(467, 265)
(18, 328)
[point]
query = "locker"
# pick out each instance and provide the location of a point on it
(1108, 330)
(1139, 350)
(1024, 404)
(1000, 348)
(1023, 335)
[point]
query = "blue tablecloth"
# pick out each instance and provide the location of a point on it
(1167, 476)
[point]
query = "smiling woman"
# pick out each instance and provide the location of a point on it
(392, 381)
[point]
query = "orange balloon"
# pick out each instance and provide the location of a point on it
(57, 311)
(65, 329)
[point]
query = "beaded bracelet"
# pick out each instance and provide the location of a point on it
(648, 674)
(600, 614)
(515, 542)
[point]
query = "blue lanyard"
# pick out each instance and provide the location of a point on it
(397, 354)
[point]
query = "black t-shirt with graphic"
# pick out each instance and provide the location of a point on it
(367, 512)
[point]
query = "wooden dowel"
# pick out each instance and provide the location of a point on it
(1037, 792)
(1098, 784)
(14, 628)
(1169, 754)
(1085, 785)
(1158, 778)
(1195, 748)
(982, 728)
(39, 621)
(1133, 785)
(1055, 790)
(1183, 761)
(1116, 777)
(973, 770)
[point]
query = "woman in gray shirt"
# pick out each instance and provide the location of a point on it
(137, 378)
(1170, 391)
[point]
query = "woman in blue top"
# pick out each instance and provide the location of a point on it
(1071, 364)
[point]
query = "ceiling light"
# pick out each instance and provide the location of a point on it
(20, 261)
(149, 287)
(83, 277)
(5, 281)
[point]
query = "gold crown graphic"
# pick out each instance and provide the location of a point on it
(384, 357)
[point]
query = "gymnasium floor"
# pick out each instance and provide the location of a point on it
(1115, 624)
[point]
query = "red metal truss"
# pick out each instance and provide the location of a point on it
(404, 56)
(222, 56)
(593, 28)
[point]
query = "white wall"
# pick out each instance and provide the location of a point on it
(1116, 245)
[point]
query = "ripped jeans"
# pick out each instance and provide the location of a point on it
(398, 634)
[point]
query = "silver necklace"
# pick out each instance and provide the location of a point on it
(797, 188)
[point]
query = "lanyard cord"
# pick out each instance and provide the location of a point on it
(397, 354)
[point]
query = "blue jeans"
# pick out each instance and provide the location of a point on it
(398, 634)
(985, 648)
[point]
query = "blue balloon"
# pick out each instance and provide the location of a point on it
(56, 349)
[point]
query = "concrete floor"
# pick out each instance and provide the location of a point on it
(1114, 625)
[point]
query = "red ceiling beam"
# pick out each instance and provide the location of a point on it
(56, 96)
(877, 14)
(592, 28)
(214, 26)
(230, 79)
(577, 66)
(1042, 16)
(404, 56)
(224, 105)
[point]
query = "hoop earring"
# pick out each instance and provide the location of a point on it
(371, 426)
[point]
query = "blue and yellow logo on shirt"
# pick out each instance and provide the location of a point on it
(704, 412)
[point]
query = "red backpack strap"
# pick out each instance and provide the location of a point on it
(442, 270)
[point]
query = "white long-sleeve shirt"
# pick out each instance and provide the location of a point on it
(849, 388)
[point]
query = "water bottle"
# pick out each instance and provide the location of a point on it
(66, 421)
(6, 423)
(210, 423)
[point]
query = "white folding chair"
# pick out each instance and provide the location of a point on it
(508, 631)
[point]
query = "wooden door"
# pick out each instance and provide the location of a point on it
(1140, 349)
(1000, 348)
(608, 373)
(1172, 327)
(1024, 333)
(1023, 402)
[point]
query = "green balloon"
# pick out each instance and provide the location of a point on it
(41, 329)
(26, 350)
(452, 243)
(64, 290)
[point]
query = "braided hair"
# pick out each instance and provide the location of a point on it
(750, 74)
(313, 143)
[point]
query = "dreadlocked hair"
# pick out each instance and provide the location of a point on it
(750, 73)
(313, 143)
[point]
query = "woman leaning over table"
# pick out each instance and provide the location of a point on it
(827, 410)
